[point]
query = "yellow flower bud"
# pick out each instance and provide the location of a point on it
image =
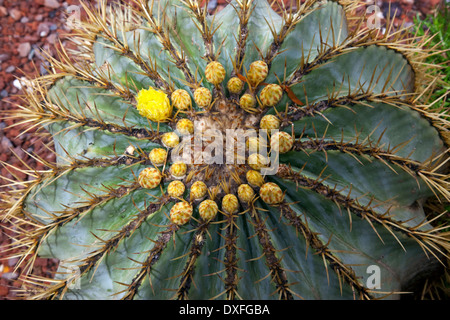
(181, 99)
(254, 178)
(181, 213)
(269, 122)
(185, 127)
(257, 161)
(176, 189)
(208, 209)
(282, 141)
(178, 170)
(247, 101)
(271, 193)
(170, 139)
(202, 97)
(215, 72)
(245, 193)
(257, 72)
(158, 156)
(271, 95)
(235, 85)
(230, 203)
(198, 190)
(149, 178)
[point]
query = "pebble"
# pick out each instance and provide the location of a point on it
(4, 56)
(24, 49)
(10, 69)
(5, 143)
(17, 84)
(54, 4)
(52, 38)
(43, 29)
(39, 17)
(15, 14)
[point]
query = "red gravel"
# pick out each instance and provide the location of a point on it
(28, 26)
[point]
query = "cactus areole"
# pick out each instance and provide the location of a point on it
(257, 153)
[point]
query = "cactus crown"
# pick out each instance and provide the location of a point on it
(341, 105)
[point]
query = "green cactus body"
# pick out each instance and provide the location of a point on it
(363, 157)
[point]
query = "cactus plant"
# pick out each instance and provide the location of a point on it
(361, 161)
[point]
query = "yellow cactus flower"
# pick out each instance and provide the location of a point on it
(154, 105)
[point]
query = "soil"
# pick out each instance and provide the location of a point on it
(26, 28)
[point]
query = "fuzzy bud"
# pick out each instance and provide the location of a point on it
(271, 193)
(181, 99)
(176, 189)
(254, 178)
(247, 101)
(235, 85)
(215, 72)
(208, 209)
(230, 203)
(269, 122)
(178, 170)
(170, 139)
(198, 190)
(271, 95)
(202, 97)
(181, 213)
(282, 141)
(185, 127)
(257, 161)
(257, 72)
(158, 156)
(245, 193)
(149, 178)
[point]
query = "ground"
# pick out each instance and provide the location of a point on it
(28, 26)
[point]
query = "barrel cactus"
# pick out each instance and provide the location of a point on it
(160, 192)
